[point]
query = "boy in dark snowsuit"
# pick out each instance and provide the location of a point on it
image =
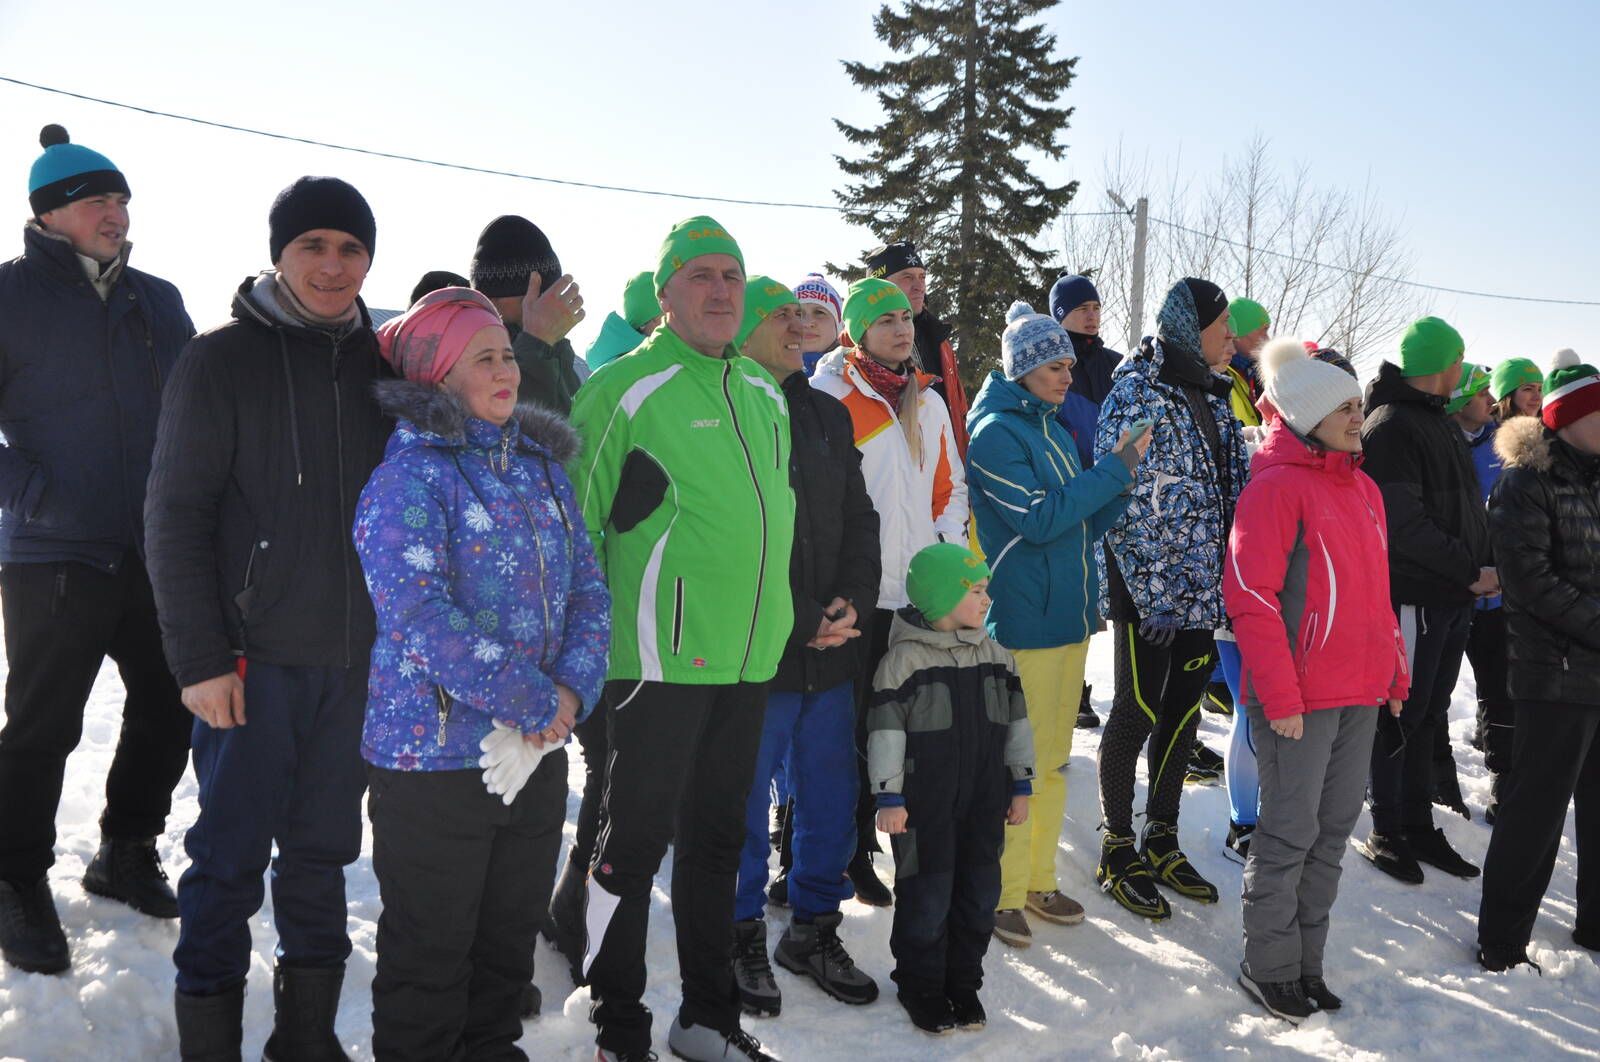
(947, 699)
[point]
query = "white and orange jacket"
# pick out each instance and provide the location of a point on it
(917, 505)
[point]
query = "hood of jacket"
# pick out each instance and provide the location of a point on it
(617, 337)
(1285, 446)
(910, 626)
(440, 419)
(1390, 388)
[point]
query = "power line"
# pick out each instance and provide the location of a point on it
(593, 186)
(1374, 276)
(438, 162)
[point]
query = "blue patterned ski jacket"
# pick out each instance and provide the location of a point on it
(483, 579)
(1170, 543)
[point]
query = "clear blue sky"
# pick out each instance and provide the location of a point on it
(1473, 121)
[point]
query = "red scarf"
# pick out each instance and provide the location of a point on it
(884, 380)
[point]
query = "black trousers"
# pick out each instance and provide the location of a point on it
(62, 620)
(1404, 749)
(596, 744)
(1157, 699)
(464, 881)
(947, 883)
(1486, 652)
(682, 758)
(1555, 759)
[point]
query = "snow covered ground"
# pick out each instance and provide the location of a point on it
(1115, 987)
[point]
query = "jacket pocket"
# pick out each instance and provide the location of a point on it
(677, 614)
(249, 592)
(1308, 639)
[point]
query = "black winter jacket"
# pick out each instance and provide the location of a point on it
(549, 378)
(1438, 531)
(267, 438)
(1544, 514)
(836, 552)
(80, 392)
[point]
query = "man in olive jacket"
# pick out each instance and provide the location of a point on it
(684, 484)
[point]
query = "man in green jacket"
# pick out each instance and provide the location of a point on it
(684, 483)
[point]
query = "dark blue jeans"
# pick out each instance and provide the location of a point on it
(816, 732)
(293, 775)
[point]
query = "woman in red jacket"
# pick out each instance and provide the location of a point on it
(1307, 588)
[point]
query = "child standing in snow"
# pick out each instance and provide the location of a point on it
(947, 702)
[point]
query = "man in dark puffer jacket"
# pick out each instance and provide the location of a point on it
(87, 344)
(1544, 516)
(269, 434)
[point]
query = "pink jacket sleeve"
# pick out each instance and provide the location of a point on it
(1264, 530)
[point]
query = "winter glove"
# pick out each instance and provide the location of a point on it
(1160, 630)
(502, 757)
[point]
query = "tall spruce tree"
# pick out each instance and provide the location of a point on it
(970, 109)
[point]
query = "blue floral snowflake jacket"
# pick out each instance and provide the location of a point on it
(483, 579)
(1170, 543)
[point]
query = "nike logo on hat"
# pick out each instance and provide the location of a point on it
(81, 187)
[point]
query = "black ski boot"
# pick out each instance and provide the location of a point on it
(1391, 854)
(1171, 867)
(130, 871)
(305, 1000)
(563, 922)
(1126, 878)
(1317, 990)
(928, 1011)
(1205, 766)
(1218, 699)
(1430, 847)
(869, 890)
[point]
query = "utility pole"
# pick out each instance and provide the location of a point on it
(1141, 232)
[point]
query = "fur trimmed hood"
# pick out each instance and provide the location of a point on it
(1522, 442)
(437, 412)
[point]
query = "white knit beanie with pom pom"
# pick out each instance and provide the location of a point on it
(1303, 389)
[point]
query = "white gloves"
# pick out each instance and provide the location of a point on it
(509, 761)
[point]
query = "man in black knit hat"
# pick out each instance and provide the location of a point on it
(268, 434)
(88, 342)
(518, 270)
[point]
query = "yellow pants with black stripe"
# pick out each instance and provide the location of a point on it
(1052, 682)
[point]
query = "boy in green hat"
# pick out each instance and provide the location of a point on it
(947, 697)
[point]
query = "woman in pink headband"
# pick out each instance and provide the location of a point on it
(493, 625)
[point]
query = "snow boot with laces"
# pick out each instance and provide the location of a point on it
(752, 972)
(130, 871)
(815, 951)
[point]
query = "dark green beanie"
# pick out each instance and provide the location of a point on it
(1429, 346)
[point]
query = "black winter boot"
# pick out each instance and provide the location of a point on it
(210, 1028)
(1171, 867)
(305, 1000)
(869, 890)
(1087, 719)
(1124, 875)
(130, 871)
(563, 922)
(30, 930)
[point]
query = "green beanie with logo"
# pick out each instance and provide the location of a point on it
(1429, 346)
(1512, 374)
(762, 295)
(940, 576)
(639, 303)
(1474, 378)
(688, 240)
(1247, 315)
(869, 300)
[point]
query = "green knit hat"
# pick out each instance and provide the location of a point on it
(867, 301)
(1429, 346)
(1247, 315)
(689, 239)
(639, 303)
(940, 576)
(762, 295)
(1474, 378)
(1512, 374)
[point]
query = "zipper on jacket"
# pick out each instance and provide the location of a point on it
(677, 614)
(761, 507)
(250, 563)
(444, 714)
(344, 553)
(150, 349)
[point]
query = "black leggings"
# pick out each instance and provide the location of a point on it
(1157, 698)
